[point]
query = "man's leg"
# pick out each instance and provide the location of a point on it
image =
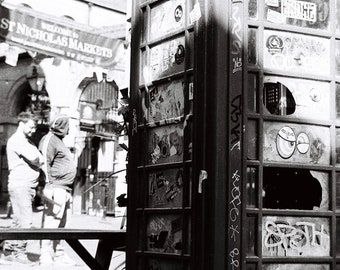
(21, 199)
(46, 257)
(62, 197)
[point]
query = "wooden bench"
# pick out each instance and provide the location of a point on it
(108, 242)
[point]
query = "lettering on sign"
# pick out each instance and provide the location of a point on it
(300, 10)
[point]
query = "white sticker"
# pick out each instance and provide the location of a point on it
(195, 14)
(275, 17)
(272, 3)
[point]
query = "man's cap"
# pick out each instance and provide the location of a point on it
(60, 125)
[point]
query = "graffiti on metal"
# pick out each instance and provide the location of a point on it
(235, 137)
(295, 236)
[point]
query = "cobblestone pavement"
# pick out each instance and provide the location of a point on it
(75, 221)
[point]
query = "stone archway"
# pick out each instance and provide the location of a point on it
(18, 96)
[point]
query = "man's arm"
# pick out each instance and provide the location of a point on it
(30, 154)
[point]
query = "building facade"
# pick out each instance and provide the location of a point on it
(70, 87)
(234, 112)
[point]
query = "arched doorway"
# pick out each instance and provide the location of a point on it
(97, 107)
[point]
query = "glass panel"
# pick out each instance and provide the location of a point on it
(191, 50)
(144, 23)
(166, 102)
(295, 236)
(337, 15)
(191, 95)
(337, 237)
(252, 46)
(296, 98)
(288, 142)
(166, 188)
(252, 92)
(285, 51)
(338, 193)
(167, 17)
(188, 140)
(337, 57)
(252, 148)
(189, 188)
(337, 98)
(164, 233)
(252, 180)
(165, 144)
(337, 145)
(307, 14)
(296, 266)
(284, 188)
(167, 58)
(252, 9)
(144, 76)
(251, 236)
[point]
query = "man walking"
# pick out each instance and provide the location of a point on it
(60, 171)
(24, 162)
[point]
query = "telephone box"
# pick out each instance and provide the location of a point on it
(234, 135)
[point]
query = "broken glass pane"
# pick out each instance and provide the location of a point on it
(285, 188)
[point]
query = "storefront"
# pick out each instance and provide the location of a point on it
(241, 99)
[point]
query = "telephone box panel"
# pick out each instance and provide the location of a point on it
(313, 14)
(166, 188)
(295, 236)
(164, 233)
(295, 143)
(296, 98)
(290, 52)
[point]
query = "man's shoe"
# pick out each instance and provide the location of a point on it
(64, 260)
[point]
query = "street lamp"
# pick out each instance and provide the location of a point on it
(39, 97)
(35, 79)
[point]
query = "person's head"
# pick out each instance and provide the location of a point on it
(60, 125)
(27, 123)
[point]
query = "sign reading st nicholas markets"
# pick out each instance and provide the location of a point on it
(53, 36)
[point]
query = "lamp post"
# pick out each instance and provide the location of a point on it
(39, 96)
(35, 79)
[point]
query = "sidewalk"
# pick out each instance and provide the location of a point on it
(75, 221)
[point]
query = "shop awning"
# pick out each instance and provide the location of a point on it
(59, 37)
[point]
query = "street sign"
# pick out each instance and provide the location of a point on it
(58, 37)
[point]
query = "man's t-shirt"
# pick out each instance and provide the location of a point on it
(23, 161)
